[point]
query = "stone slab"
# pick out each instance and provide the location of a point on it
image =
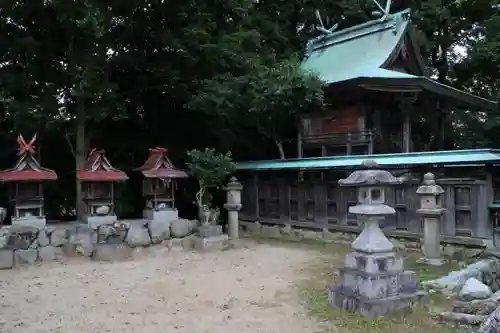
(6, 259)
(38, 222)
(432, 261)
(25, 257)
(166, 215)
(111, 252)
(95, 221)
(270, 231)
(209, 230)
(340, 299)
(47, 253)
(216, 243)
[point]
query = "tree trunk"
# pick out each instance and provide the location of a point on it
(80, 155)
(279, 145)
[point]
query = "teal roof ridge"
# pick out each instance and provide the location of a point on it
(382, 24)
(445, 158)
(422, 153)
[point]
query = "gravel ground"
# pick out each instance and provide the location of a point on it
(243, 290)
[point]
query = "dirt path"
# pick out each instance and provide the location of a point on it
(243, 290)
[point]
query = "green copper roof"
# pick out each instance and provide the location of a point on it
(447, 157)
(359, 54)
(357, 51)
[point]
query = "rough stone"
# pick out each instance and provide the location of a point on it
(47, 253)
(181, 228)
(176, 244)
(111, 252)
(6, 258)
(34, 244)
(102, 210)
(311, 235)
(138, 235)
(114, 233)
(59, 237)
(479, 307)
(474, 289)
(463, 318)
(215, 243)
(287, 230)
(4, 236)
(271, 231)
(83, 242)
(43, 239)
(209, 230)
(25, 257)
(159, 230)
(254, 228)
(454, 281)
(491, 324)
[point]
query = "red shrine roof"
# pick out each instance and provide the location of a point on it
(158, 165)
(27, 167)
(98, 169)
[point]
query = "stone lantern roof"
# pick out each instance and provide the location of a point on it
(371, 176)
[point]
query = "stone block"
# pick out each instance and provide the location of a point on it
(32, 221)
(25, 257)
(43, 239)
(138, 235)
(254, 228)
(47, 253)
(159, 230)
(59, 237)
(6, 259)
(491, 324)
(271, 231)
(342, 299)
(182, 228)
(95, 221)
(209, 231)
(211, 243)
(111, 252)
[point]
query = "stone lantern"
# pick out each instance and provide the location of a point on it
(233, 205)
(373, 282)
(431, 212)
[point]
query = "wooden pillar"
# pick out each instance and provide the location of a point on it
(256, 195)
(370, 142)
(349, 144)
(323, 151)
(406, 128)
(300, 149)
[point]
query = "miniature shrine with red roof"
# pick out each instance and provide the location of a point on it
(25, 185)
(159, 185)
(98, 180)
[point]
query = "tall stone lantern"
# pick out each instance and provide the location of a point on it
(233, 205)
(431, 212)
(372, 282)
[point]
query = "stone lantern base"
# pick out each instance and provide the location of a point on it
(375, 285)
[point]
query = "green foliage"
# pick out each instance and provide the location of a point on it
(210, 168)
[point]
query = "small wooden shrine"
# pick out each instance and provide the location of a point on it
(25, 185)
(98, 180)
(159, 185)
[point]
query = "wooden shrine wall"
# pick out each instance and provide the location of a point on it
(324, 204)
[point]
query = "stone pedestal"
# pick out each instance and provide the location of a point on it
(373, 282)
(95, 221)
(233, 205)
(210, 237)
(35, 221)
(431, 213)
(164, 215)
